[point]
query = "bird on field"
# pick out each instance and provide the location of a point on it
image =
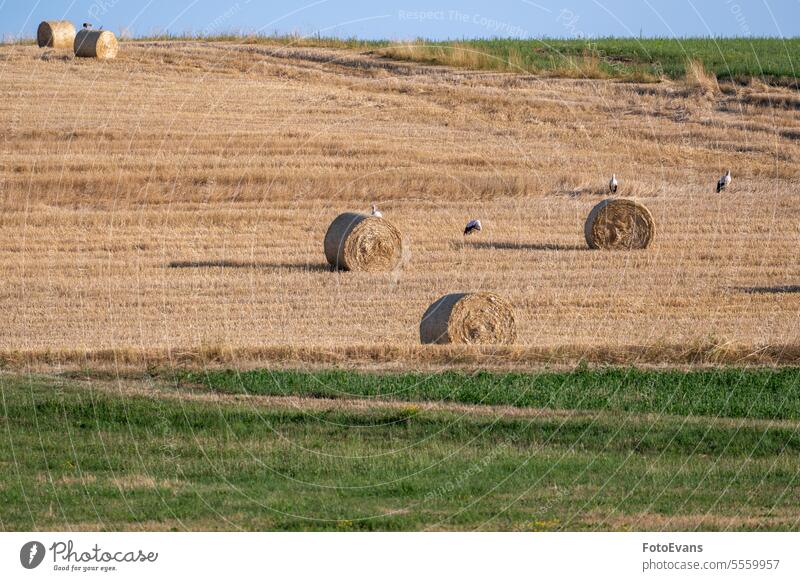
(87, 25)
(376, 212)
(724, 181)
(472, 226)
(612, 185)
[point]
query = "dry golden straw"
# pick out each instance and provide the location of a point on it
(619, 224)
(360, 242)
(101, 44)
(98, 279)
(55, 34)
(469, 318)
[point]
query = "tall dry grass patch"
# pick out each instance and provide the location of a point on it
(458, 55)
(586, 66)
(517, 63)
(698, 79)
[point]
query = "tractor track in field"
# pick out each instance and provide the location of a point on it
(160, 388)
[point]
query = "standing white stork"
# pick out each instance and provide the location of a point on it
(376, 212)
(87, 25)
(612, 185)
(472, 226)
(724, 181)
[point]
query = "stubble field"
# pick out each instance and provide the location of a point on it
(173, 203)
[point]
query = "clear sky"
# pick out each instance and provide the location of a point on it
(407, 19)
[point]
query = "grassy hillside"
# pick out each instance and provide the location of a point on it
(773, 59)
(639, 59)
(145, 454)
(636, 59)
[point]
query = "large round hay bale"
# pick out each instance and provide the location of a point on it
(469, 318)
(619, 224)
(55, 34)
(101, 44)
(360, 242)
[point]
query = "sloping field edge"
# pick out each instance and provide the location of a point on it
(402, 358)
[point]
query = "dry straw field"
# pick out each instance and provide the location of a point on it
(172, 204)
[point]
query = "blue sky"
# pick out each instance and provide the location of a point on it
(406, 19)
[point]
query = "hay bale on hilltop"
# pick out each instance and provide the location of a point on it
(365, 243)
(619, 224)
(469, 318)
(55, 34)
(101, 44)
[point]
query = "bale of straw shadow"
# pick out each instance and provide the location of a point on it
(617, 223)
(101, 44)
(481, 318)
(363, 243)
(55, 34)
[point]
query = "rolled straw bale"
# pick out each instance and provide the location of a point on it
(619, 224)
(469, 318)
(100, 44)
(360, 242)
(55, 34)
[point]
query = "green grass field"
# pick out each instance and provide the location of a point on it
(705, 450)
(734, 393)
(637, 59)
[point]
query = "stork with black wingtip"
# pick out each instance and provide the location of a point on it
(612, 185)
(472, 226)
(724, 181)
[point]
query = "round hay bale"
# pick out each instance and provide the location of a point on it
(360, 242)
(469, 318)
(55, 34)
(619, 224)
(101, 44)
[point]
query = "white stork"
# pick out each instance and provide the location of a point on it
(472, 226)
(612, 185)
(87, 25)
(724, 181)
(376, 212)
